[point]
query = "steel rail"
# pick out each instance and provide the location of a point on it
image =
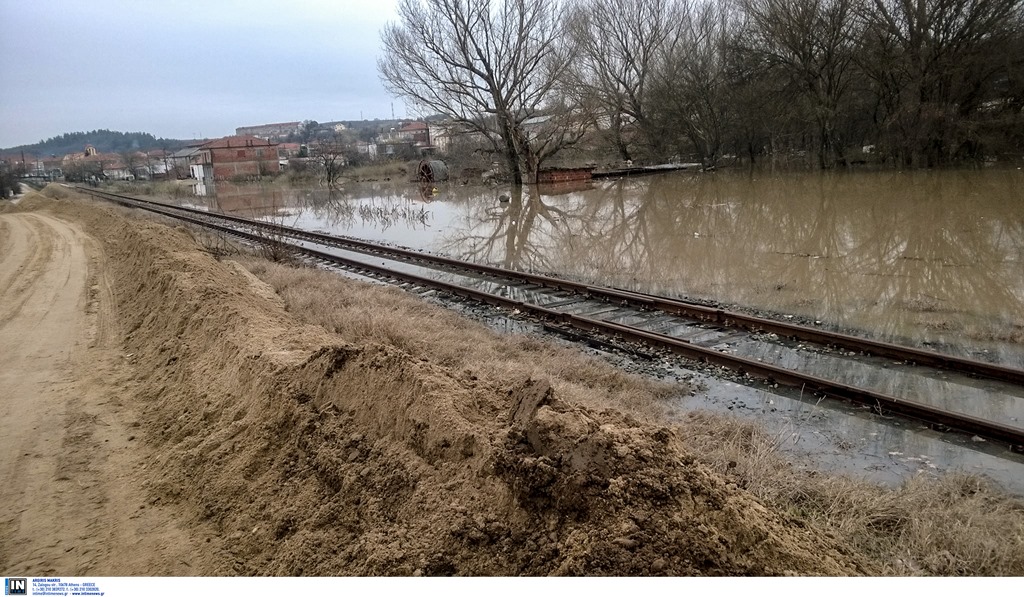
(700, 312)
(879, 402)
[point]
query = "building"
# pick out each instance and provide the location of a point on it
(288, 150)
(440, 135)
(92, 164)
(158, 164)
(181, 162)
(412, 136)
(117, 171)
(242, 156)
(89, 152)
(413, 133)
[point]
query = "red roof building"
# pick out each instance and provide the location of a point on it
(238, 156)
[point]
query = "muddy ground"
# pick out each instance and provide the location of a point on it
(165, 415)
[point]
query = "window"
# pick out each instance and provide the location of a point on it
(241, 153)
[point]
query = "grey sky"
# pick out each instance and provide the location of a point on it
(185, 68)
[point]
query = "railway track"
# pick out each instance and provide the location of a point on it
(947, 392)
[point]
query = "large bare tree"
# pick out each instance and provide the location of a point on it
(813, 42)
(619, 42)
(133, 160)
(490, 65)
(692, 94)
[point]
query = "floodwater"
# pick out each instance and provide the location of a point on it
(933, 259)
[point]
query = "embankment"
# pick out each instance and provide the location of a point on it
(313, 455)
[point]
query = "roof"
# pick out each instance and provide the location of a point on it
(114, 158)
(414, 126)
(185, 152)
(237, 141)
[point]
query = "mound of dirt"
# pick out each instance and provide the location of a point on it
(31, 201)
(313, 456)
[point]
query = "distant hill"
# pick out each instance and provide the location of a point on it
(103, 140)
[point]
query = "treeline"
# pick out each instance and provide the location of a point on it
(911, 83)
(8, 181)
(105, 141)
(916, 82)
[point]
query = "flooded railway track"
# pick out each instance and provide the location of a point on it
(945, 392)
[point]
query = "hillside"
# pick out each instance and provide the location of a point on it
(105, 141)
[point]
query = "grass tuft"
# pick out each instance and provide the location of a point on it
(955, 525)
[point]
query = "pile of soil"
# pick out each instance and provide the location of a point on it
(313, 456)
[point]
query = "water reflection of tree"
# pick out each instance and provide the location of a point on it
(610, 240)
(934, 252)
(852, 249)
(940, 250)
(518, 233)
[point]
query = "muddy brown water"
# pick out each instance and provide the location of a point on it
(933, 259)
(927, 258)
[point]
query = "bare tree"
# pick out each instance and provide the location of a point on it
(618, 44)
(813, 42)
(490, 66)
(330, 156)
(691, 92)
(132, 160)
(934, 62)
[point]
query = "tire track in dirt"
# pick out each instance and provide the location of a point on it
(33, 368)
(6, 247)
(22, 267)
(71, 481)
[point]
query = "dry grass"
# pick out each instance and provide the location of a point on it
(55, 191)
(217, 244)
(381, 171)
(361, 312)
(957, 525)
(163, 188)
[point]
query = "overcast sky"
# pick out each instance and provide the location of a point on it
(187, 68)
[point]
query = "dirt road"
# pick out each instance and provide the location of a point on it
(71, 478)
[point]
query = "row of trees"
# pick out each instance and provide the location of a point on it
(922, 82)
